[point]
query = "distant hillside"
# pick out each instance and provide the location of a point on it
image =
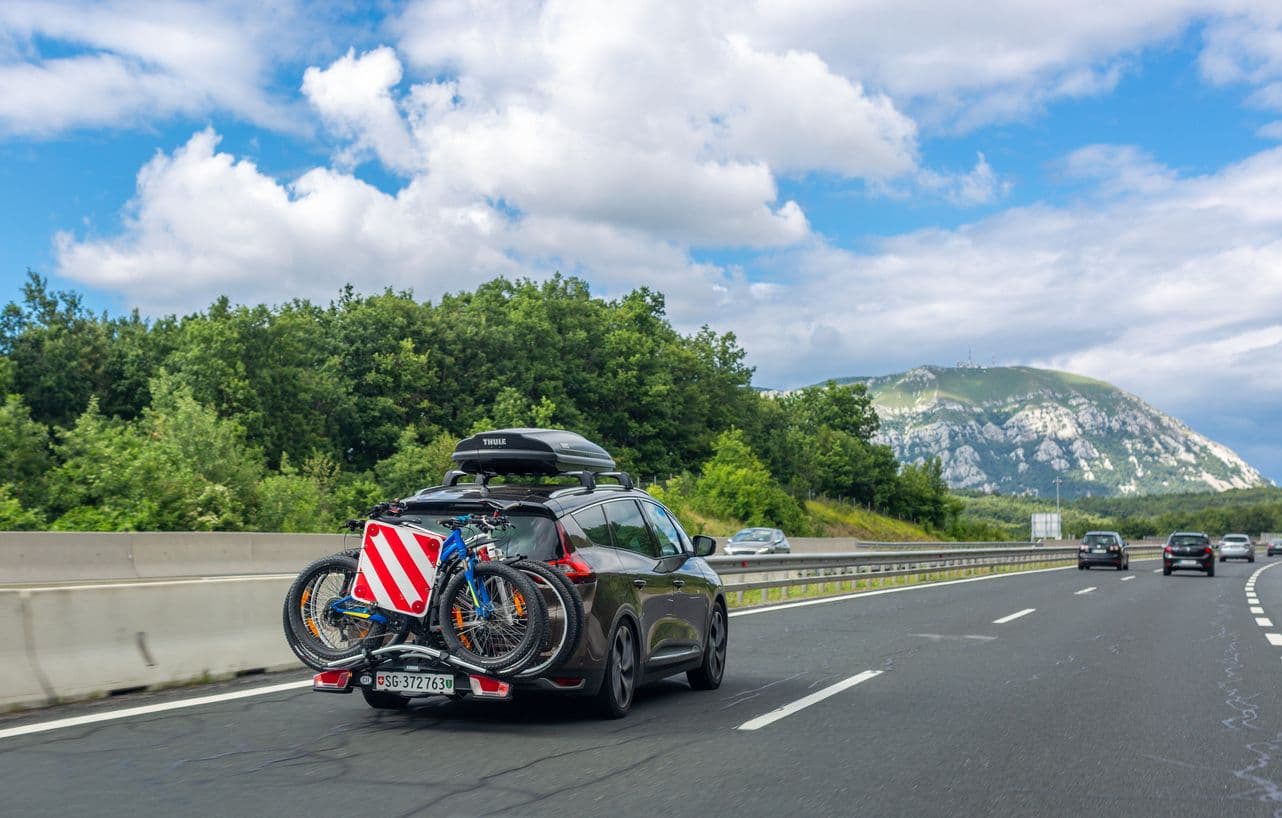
(1014, 430)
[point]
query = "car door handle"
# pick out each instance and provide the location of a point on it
(640, 583)
(678, 583)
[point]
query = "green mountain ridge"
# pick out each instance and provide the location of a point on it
(1015, 430)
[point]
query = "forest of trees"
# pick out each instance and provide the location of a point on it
(294, 417)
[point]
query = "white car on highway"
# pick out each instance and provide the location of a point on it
(1237, 547)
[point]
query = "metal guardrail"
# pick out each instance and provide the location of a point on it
(766, 571)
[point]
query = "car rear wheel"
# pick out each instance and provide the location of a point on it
(1210, 570)
(614, 699)
(708, 675)
(1166, 570)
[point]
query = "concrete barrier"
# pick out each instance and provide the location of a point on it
(288, 553)
(46, 557)
(52, 556)
(20, 679)
(92, 640)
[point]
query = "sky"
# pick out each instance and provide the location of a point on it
(852, 188)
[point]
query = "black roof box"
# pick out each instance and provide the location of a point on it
(530, 451)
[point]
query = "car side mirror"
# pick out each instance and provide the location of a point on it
(704, 546)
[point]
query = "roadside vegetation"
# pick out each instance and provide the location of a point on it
(297, 416)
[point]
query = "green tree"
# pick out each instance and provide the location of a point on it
(735, 483)
(24, 452)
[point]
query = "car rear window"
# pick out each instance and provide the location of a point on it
(1099, 539)
(1189, 539)
(1236, 538)
(531, 535)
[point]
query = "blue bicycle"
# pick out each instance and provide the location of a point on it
(484, 614)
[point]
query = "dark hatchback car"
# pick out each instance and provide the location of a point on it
(1188, 551)
(1275, 547)
(1105, 548)
(653, 607)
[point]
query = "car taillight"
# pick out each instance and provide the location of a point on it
(1167, 549)
(334, 680)
(575, 568)
(1083, 547)
(1208, 550)
(1112, 548)
(487, 687)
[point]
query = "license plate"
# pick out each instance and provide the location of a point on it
(394, 682)
(1188, 562)
(1100, 550)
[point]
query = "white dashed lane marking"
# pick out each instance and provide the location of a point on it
(1013, 617)
(1124, 579)
(801, 704)
(1084, 591)
(1264, 622)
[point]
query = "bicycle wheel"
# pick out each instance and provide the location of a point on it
(509, 636)
(565, 616)
(315, 631)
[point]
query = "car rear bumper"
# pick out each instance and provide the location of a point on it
(1188, 563)
(1236, 552)
(1088, 558)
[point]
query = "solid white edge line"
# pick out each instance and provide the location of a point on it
(926, 586)
(94, 718)
(1084, 591)
(1275, 639)
(1013, 617)
(802, 703)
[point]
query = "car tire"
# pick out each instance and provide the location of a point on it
(622, 671)
(1166, 570)
(1250, 559)
(709, 674)
(1210, 571)
(379, 700)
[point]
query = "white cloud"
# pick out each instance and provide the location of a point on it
(204, 224)
(1118, 169)
(979, 186)
(354, 98)
(125, 64)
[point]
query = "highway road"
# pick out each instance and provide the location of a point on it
(1051, 693)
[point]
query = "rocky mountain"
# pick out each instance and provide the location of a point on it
(1014, 430)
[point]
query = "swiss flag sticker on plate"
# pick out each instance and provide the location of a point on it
(397, 568)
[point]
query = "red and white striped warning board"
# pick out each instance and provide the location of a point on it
(397, 568)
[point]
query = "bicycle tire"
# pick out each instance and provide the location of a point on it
(495, 646)
(316, 637)
(558, 645)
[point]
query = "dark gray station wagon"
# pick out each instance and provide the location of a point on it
(653, 607)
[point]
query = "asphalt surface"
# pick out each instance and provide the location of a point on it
(1146, 696)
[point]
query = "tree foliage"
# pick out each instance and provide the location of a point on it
(296, 416)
